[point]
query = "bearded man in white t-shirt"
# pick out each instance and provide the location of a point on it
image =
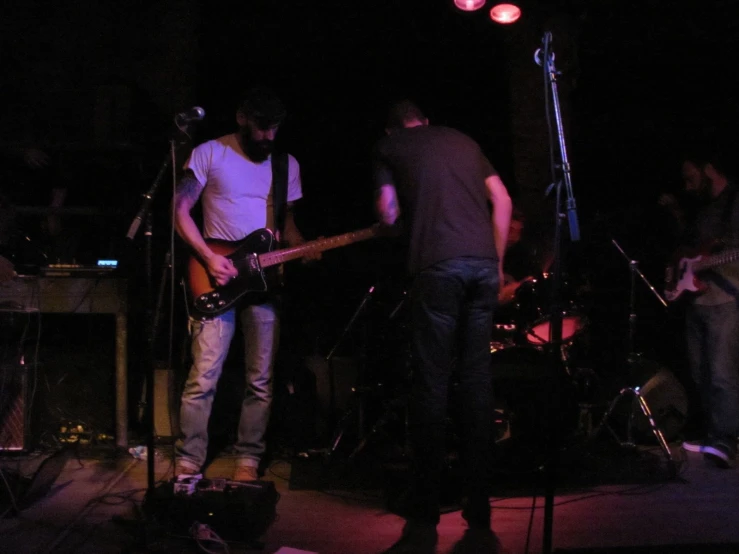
(232, 176)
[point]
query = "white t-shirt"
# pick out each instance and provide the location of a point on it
(236, 192)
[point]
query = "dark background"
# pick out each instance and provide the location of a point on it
(96, 86)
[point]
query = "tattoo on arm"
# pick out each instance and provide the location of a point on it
(188, 186)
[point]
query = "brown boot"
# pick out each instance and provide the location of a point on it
(245, 473)
(183, 469)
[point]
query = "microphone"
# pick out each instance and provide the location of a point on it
(544, 50)
(193, 114)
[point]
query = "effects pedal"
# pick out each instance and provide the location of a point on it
(237, 511)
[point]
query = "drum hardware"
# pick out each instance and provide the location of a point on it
(340, 425)
(392, 397)
(639, 393)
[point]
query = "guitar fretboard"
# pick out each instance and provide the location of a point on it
(716, 259)
(285, 255)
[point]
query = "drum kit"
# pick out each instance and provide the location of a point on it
(527, 361)
(528, 324)
(529, 366)
(519, 351)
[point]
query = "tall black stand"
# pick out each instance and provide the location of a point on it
(560, 170)
(144, 215)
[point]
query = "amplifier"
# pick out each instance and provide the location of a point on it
(236, 511)
(14, 417)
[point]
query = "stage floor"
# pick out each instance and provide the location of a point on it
(94, 505)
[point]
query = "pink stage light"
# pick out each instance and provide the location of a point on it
(469, 5)
(505, 14)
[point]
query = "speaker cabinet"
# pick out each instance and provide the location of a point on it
(14, 416)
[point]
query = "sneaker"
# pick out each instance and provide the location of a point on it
(245, 473)
(417, 538)
(694, 446)
(720, 454)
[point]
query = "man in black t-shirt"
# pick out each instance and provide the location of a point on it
(456, 212)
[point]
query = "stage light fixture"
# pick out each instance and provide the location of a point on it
(469, 5)
(505, 14)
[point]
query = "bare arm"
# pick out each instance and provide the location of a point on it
(386, 204)
(501, 218)
(186, 196)
(294, 237)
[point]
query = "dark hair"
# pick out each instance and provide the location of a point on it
(705, 154)
(262, 105)
(402, 112)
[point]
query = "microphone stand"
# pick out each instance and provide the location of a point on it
(631, 359)
(634, 273)
(144, 214)
(544, 57)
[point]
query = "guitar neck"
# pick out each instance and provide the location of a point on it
(716, 259)
(286, 254)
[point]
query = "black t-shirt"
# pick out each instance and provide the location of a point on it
(439, 174)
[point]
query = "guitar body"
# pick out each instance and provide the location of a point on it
(682, 275)
(680, 278)
(210, 299)
(258, 265)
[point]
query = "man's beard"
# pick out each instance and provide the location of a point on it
(257, 150)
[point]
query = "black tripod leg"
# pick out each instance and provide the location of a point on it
(657, 433)
(607, 415)
(386, 416)
(339, 431)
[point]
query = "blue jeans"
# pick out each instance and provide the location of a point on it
(452, 305)
(210, 344)
(712, 334)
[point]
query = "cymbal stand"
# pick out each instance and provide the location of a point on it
(340, 425)
(638, 399)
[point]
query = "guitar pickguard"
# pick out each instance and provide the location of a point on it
(251, 280)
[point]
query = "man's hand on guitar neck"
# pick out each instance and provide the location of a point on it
(221, 268)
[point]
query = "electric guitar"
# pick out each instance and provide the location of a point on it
(682, 275)
(252, 256)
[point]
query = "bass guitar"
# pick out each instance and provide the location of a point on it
(252, 256)
(682, 276)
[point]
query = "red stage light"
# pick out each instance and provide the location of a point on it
(505, 13)
(469, 5)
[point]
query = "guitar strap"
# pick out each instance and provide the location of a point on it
(279, 189)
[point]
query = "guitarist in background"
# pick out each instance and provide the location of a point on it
(234, 176)
(712, 317)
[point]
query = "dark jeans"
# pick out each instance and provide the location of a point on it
(712, 334)
(452, 306)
